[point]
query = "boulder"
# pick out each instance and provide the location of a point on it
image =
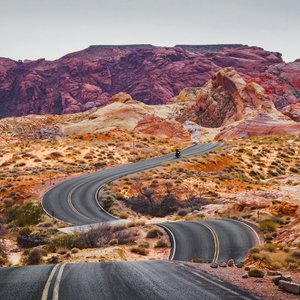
(289, 287)
(256, 273)
(230, 263)
(276, 279)
(274, 273)
(214, 265)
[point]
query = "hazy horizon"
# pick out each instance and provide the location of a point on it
(51, 29)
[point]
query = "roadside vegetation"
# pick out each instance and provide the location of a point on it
(119, 242)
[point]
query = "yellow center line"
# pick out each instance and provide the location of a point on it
(216, 242)
(48, 283)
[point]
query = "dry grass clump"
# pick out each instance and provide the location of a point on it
(140, 250)
(276, 256)
(154, 233)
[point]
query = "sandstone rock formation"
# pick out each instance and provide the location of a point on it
(86, 79)
(260, 125)
(123, 112)
(158, 127)
(227, 98)
(292, 111)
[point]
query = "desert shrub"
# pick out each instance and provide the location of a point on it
(27, 239)
(64, 241)
(293, 266)
(3, 260)
(291, 259)
(294, 170)
(124, 215)
(270, 247)
(29, 213)
(100, 237)
(275, 265)
(55, 154)
(154, 233)
(107, 202)
(2, 245)
(267, 225)
(62, 251)
(296, 254)
(34, 257)
(182, 213)
(125, 237)
(53, 259)
(161, 243)
(146, 204)
(254, 250)
(144, 244)
(139, 250)
(100, 164)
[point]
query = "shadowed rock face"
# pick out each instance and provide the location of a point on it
(86, 79)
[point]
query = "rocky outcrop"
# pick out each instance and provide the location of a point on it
(292, 111)
(228, 97)
(158, 127)
(282, 83)
(86, 79)
(260, 125)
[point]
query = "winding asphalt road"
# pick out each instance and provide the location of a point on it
(74, 201)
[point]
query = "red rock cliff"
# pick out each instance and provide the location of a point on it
(88, 78)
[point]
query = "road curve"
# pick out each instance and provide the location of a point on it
(115, 280)
(211, 240)
(73, 201)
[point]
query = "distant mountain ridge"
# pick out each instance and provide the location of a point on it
(89, 78)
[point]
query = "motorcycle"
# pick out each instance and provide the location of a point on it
(177, 154)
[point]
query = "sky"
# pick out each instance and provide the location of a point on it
(31, 29)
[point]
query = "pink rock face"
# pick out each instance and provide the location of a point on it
(260, 125)
(152, 74)
(292, 111)
(282, 82)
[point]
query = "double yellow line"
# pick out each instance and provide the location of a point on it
(216, 241)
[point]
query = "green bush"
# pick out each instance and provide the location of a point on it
(29, 213)
(268, 225)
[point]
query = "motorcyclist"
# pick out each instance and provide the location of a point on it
(177, 153)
